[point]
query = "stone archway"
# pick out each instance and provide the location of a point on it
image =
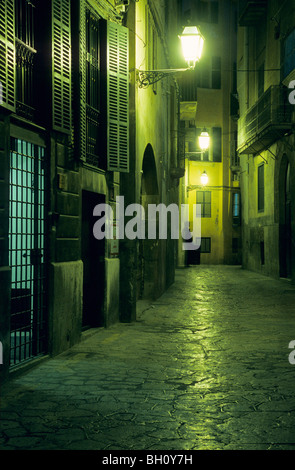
(286, 249)
(147, 278)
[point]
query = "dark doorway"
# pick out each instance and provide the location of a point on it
(93, 257)
(286, 227)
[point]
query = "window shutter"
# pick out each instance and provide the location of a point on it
(117, 97)
(82, 65)
(61, 62)
(7, 55)
(217, 150)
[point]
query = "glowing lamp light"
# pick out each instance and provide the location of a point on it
(204, 140)
(192, 43)
(204, 178)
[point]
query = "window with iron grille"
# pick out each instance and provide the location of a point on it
(103, 108)
(92, 87)
(92, 61)
(24, 22)
(25, 55)
(89, 93)
(204, 199)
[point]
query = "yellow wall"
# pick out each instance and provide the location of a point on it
(213, 110)
(211, 227)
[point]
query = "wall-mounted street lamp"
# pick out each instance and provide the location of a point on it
(192, 43)
(204, 140)
(204, 178)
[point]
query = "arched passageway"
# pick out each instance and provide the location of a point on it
(147, 278)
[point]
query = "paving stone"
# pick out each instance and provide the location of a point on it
(205, 367)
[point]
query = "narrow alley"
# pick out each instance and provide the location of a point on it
(205, 367)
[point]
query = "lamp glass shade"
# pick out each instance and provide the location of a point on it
(204, 178)
(204, 140)
(192, 43)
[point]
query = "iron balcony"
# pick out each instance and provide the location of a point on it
(266, 122)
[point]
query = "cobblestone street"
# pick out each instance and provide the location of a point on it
(205, 367)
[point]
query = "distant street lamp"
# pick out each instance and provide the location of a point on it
(204, 178)
(192, 43)
(204, 140)
(204, 143)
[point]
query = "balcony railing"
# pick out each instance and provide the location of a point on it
(265, 122)
(250, 12)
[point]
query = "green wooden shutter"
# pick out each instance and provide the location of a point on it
(61, 63)
(117, 97)
(82, 65)
(7, 54)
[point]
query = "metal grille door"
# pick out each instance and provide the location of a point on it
(27, 251)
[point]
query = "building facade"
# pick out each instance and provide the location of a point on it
(77, 131)
(209, 103)
(265, 63)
